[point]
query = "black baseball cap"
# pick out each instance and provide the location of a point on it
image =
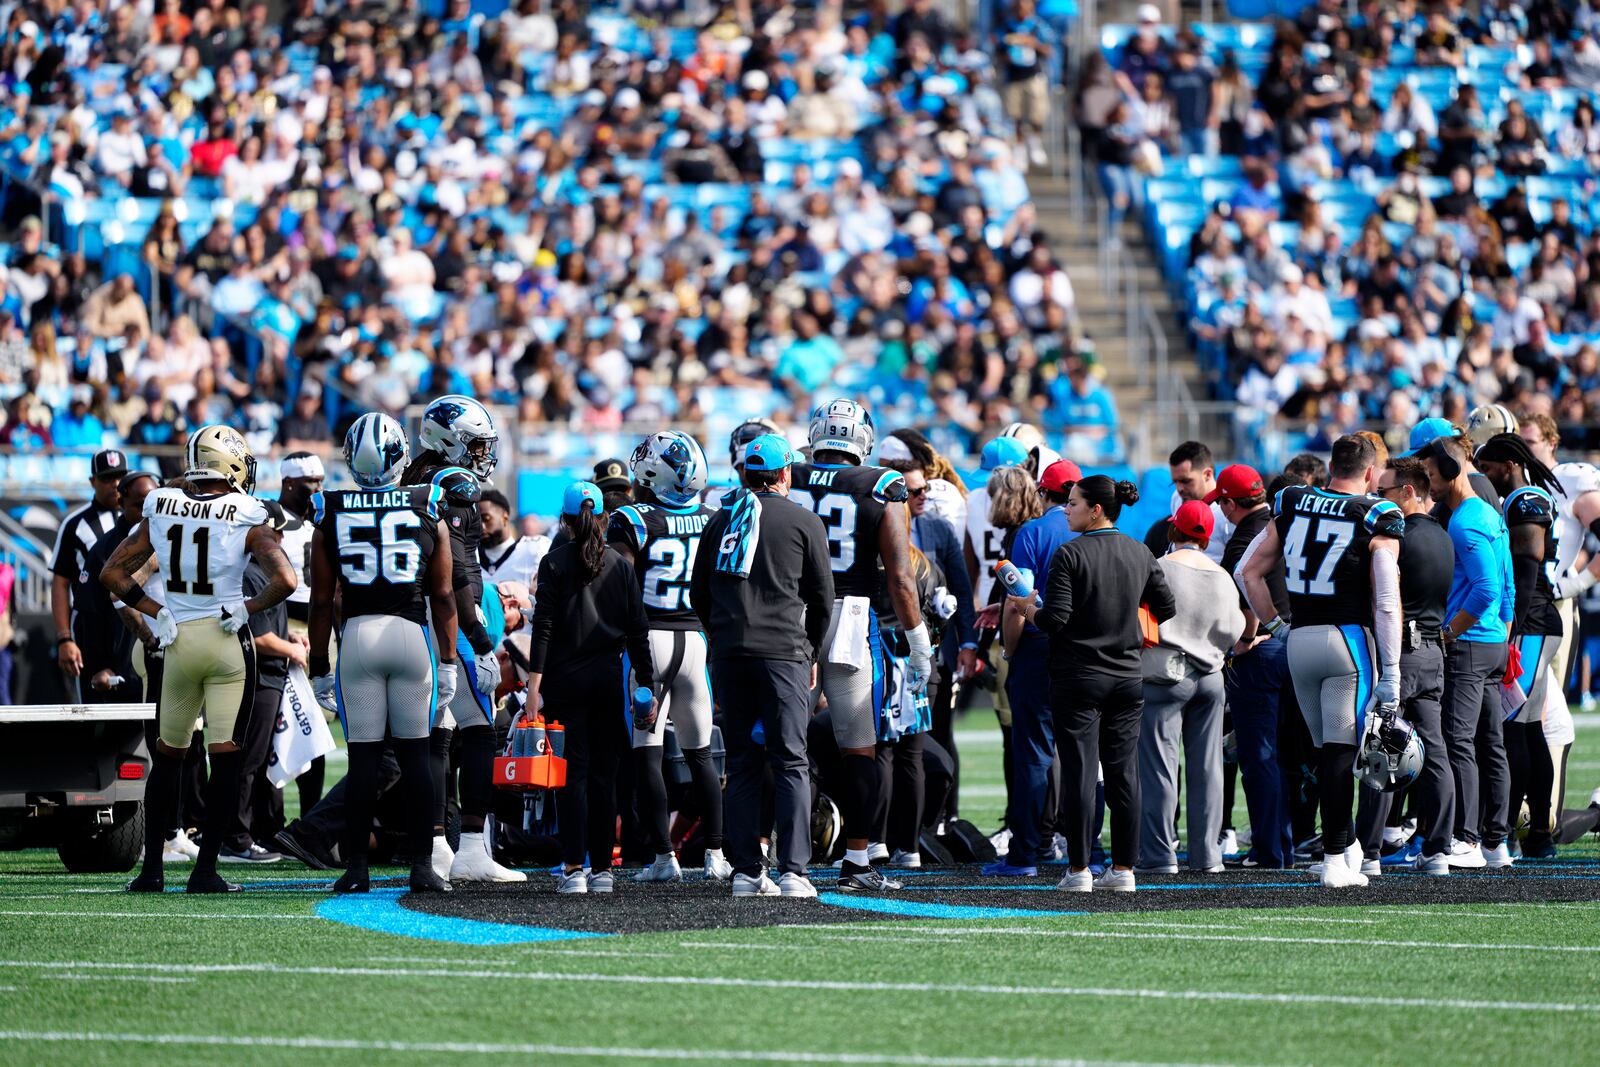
(611, 474)
(108, 461)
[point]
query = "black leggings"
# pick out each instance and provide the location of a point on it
(1097, 720)
(902, 792)
(1533, 779)
(597, 738)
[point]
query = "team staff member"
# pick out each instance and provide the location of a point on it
(1427, 562)
(1528, 488)
(1257, 677)
(763, 589)
(587, 611)
(1430, 430)
(77, 536)
(1091, 614)
(1477, 619)
(1033, 740)
(1194, 478)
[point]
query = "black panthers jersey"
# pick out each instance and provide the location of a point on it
(459, 509)
(1532, 506)
(663, 541)
(1327, 554)
(850, 501)
(383, 540)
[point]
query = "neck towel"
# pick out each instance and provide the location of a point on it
(737, 552)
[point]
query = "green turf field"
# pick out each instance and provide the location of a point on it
(90, 975)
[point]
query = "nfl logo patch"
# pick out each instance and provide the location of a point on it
(455, 520)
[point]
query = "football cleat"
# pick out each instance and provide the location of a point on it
(902, 858)
(854, 878)
(474, 863)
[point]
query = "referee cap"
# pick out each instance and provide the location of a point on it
(769, 452)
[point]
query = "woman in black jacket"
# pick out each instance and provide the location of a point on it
(587, 613)
(1091, 614)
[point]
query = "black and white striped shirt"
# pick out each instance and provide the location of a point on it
(78, 533)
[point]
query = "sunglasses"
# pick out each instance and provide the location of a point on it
(918, 492)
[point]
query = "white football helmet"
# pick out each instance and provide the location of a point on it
(671, 465)
(746, 432)
(220, 452)
(376, 451)
(1027, 433)
(843, 426)
(1487, 421)
(462, 430)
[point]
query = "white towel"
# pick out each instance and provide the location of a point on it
(849, 648)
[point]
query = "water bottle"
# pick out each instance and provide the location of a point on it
(1018, 582)
(642, 700)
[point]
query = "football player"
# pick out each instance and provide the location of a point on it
(1577, 498)
(1339, 548)
(659, 536)
(385, 549)
(863, 511)
(458, 453)
(203, 532)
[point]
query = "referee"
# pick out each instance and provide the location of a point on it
(76, 538)
(1091, 614)
(763, 588)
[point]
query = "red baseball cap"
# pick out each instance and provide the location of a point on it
(1194, 519)
(1059, 475)
(1237, 482)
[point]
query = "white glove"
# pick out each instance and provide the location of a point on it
(447, 684)
(486, 673)
(1388, 689)
(235, 617)
(323, 686)
(165, 627)
(920, 661)
(944, 603)
(1570, 585)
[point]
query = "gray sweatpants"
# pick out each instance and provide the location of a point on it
(1192, 710)
(1473, 734)
(386, 680)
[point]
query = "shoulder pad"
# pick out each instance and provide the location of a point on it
(460, 486)
(277, 518)
(319, 508)
(1277, 501)
(433, 504)
(255, 512)
(627, 526)
(1530, 504)
(891, 488)
(1385, 519)
(150, 499)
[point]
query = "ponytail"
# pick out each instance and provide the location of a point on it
(1111, 497)
(589, 534)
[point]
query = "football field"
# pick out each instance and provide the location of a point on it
(1244, 968)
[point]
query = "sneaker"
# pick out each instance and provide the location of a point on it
(302, 848)
(718, 869)
(1371, 868)
(1404, 856)
(1056, 850)
(1464, 855)
(1218, 869)
(902, 858)
(796, 885)
(1115, 881)
(601, 882)
(1438, 864)
(444, 857)
(855, 878)
(1229, 841)
(424, 879)
(754, 885)
(664, 869)
(1002, 869)
(1308, 850)
(1076, 882)
(877, 852)
(474, 863)
(1497, 857)
(1160, 868)
(1338, 874)
(254, 854)
(570, 881)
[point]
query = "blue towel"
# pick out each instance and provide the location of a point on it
(738, 549)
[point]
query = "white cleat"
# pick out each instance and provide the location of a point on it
(796, 885)
(1338, 874)
(903, 858)
(877, 852)
(474, 863)
(1115, 881)
(1468, 856)
(1076, 882)
(1497, 857)
(717, 866)
(664, 869)
(760, 885)
(573, 881)
(443, 857)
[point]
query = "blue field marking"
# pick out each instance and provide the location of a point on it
(380, 910)
(922, 910)
(1143, 886)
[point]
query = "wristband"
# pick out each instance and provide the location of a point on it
(1275, 624)
(134, 596)
(67, 640)
(973, 645)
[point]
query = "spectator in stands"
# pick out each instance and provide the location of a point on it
(1192, 86)
(116, 310)
(1085, 410)
(1027, 51)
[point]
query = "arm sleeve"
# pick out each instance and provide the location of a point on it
(1158, 594)
(816, 585)
(638, 628)
(1386, 609)
(1057, 611)
(544, 616)
(1524, 575)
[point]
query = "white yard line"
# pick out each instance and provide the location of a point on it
(119, 978)
(698, 1054)
(241, 916)
(747, 945)
(807, 985)
(1306, 919)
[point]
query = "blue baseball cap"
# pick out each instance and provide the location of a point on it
(578, 492)
(1003, 452)
(1427, 432)
(769, 452)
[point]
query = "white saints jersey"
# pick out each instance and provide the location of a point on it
(946, 502)
(1576, 479)
(297, 546)
(512, 561)
(200, 545)
(986, 541)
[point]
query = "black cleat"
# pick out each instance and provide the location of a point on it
(212, 882)
(354, 880)
(857, 879)
(424, 879)
(147, 883)
(303, 850)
